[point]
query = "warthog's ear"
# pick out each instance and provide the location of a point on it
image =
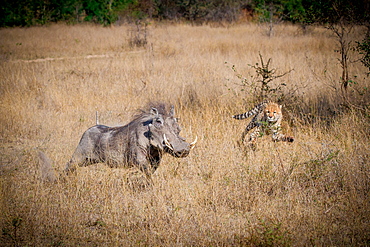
(154, 111)
(172, 111)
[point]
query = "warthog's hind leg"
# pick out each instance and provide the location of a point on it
(80, 158)
(70, 167)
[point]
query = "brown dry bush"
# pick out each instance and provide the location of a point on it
(313, 191)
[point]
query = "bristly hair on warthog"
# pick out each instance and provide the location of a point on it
(140, 143)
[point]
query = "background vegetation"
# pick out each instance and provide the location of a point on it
(313, 191)
(106, 12)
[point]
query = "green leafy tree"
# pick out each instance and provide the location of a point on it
(342, 18)
(24, 13)
(294, 11)
(104, 11)
(275, 11)
(34, 12)
(364, 49)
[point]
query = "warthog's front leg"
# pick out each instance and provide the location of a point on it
(143, 162)
(147, 160)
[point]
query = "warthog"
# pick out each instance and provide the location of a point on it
(141, 143)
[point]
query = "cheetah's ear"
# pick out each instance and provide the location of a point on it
(280, 106)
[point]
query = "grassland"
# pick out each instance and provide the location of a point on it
(314, 191)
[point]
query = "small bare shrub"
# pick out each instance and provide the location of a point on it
(138, 34)
(261, 83)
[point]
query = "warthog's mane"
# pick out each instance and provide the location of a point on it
(145, 116)
(163, 109)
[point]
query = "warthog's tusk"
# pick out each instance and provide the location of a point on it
(192, 145)
(167, 143)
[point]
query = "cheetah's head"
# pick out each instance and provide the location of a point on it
(273, 112)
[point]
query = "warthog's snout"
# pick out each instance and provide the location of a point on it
(179, 149)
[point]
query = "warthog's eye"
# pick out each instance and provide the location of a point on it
(158, 122)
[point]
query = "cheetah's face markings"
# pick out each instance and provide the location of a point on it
(272, 112)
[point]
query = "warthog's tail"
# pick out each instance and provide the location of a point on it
(46, 169)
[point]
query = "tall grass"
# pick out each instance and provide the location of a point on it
(310, 192)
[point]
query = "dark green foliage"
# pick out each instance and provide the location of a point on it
(24, 13)
(281, 10)
(333, 11)
(36, 12)
(104, 11)
(363, 48)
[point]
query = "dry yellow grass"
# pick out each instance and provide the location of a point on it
(310, 192)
